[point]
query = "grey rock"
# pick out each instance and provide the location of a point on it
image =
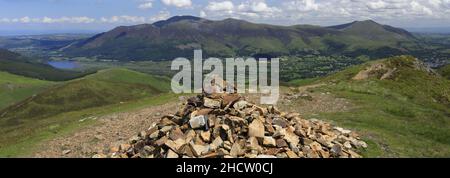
(198, 122)
(210, 103)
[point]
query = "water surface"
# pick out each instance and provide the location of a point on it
(64, 64)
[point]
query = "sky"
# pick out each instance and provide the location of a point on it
(22, 16)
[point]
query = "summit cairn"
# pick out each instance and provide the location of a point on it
(221, 125)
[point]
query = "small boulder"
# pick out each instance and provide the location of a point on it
(256, 129)
(269, 142)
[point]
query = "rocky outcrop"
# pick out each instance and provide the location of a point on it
(387, 69)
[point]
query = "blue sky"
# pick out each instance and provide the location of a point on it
(101, 15)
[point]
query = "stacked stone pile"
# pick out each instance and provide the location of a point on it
(227, 126)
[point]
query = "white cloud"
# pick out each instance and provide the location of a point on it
(435, 3)
(48, 20)
(146, 4)
(261, 7)
(302, 5)
(123, 19)
(81, 20)
(118, 19)
(281, 12)
(178, 3)
(374, 5)
(248, 9)
(25, 19)
(162, 15)
(126, 19)
(220, 6)
(421, 9)
(5, 20)
(202, 14)
(338, 11)
(256, 7)
(67, 20)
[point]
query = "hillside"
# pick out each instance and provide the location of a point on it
(103, 88)
(380, 100)
(107, 87)
(14, 63)
(366, 35)
(401, 106)
(372, 30)
(14, 88)
(445, 71)
(179, 35)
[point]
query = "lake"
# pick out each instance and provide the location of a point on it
(63, 64)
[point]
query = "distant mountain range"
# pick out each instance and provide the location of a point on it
(180, 35)
(43, 42)
(433, 30)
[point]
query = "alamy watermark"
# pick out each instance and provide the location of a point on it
(257, 79)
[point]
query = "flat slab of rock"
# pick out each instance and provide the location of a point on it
(256, 129)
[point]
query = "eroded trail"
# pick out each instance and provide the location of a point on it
(109, 131)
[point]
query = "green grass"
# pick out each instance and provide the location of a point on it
(407, 116)
(160, 68)
(297, 44)
(445, 71)
(260, 45)
(301, 82)
(120, 75)
(14, 88)
(23, 141)
(103, 88)
(55, 105)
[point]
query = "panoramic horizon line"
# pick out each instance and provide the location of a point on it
(249, 21)
(79, 31)
(261, 23)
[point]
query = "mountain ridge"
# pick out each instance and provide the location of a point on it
(179, 35)
(370, 24)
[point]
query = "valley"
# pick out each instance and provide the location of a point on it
(309, 51)
(394, 123)
(67, 102)
(75, 95)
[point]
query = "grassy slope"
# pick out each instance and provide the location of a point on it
(39, 71)
(15, 64)
(445, 71)
(14, 88)
(407, 116)
(29, 135)
(105, 88)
